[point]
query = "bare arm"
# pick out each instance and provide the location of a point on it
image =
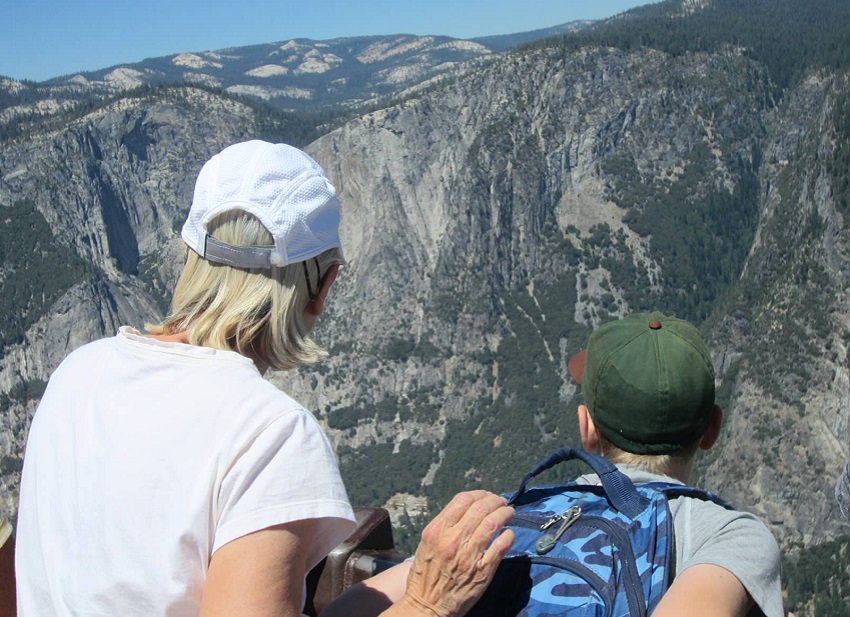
(259, 575)
(705, 590)
(372, 596)
(453, 565)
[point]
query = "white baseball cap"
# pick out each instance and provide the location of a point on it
(283, 187)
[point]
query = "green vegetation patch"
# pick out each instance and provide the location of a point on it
(373, 473)
(788, 36)
(35, 270)
(499, 440)
(839, 165)
(789, 294)
(21, 392)
(699, 235)
(817, 580)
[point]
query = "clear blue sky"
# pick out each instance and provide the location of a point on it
(40, 39)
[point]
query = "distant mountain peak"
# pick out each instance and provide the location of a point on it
(692, 6)
(194, 61)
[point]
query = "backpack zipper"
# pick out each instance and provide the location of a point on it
(634, 593)
(593, 579)
(547, 541)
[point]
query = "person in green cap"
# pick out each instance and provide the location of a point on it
(649, 407)
(648, 386)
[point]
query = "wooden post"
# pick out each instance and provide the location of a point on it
(8, 607)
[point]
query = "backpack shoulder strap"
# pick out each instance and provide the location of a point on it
(617, 486)
(672, 490)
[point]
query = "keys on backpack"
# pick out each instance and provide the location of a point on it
(573, 512)
(548, 541)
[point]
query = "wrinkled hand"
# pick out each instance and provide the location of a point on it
(455, 560)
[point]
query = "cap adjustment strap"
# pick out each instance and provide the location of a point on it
(241, 256)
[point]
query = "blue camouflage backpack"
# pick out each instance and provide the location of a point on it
(587, 550)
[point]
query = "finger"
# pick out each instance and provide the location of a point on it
(450, 516)
(497, 551)
(459, 506)
(489, 529)
(481, 510)
(484, 514)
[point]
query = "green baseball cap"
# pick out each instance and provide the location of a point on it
(648, 382)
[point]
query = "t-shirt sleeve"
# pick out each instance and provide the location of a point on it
(738, 542)
(287, 473)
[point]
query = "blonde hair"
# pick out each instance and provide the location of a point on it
(256, 312)
(670, 464)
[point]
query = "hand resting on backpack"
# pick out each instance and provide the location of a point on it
(453, 566)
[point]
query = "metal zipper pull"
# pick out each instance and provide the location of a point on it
(547, 542)
(552, 521)
(559, 517)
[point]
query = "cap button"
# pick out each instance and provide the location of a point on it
(654, 325)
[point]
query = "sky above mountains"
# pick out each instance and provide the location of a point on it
(41, 39)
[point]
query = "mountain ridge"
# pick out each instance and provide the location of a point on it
(300, 72)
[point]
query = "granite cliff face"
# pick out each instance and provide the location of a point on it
(481, 221)
(490, 224)
(783, 339)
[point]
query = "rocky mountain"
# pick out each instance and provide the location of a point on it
(293, 74)
(490, 223)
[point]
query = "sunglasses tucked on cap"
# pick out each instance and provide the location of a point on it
(648, 383)
(280, 185)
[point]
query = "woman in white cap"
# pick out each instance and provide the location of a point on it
(164, 476)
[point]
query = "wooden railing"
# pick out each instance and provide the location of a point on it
(369, 550)
(7, 572)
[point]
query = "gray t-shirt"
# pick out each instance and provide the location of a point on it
(707, 533)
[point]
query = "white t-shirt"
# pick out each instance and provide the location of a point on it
(143, 459)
